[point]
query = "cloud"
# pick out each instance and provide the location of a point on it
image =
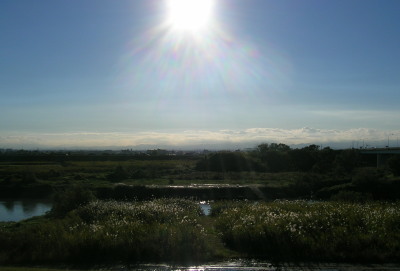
(217, 139)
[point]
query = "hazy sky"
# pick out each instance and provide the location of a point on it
(115, 73)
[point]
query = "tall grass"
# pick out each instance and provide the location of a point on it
(172, 230)
(101, 232)
(328, 231)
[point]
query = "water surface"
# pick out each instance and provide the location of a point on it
(16, 210)
(205, 207)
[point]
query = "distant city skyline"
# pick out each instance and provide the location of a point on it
(102, 73)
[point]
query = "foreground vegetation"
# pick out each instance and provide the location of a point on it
(34, 269)
(175, 231)
(304, 231)
(111, 232)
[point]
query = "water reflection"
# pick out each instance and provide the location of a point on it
(205, 207)
(16, 210)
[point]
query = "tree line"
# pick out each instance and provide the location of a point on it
(280, 157)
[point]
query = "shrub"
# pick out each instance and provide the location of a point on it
(163, 230)
(70, 199)
(228, 161)
(394, 165)
(325, 231)
(367, 177)
(118, 174)
(352, 196)
(29, 178)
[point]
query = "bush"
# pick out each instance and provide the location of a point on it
(228, 161)
(119, 174)
(70, 199)
(321, 231)
(367, 177)
(29, 178)
(394, 165)
(352, 196)
(112, 232)
(346, 161)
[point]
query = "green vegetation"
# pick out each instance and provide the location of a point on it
(279, 171)
(32, 269)
(110, 232)
(229, 162)
(303, 231)
(175, 231)
(130, 208)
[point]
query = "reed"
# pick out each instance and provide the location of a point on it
(304, 231)
(163, 230)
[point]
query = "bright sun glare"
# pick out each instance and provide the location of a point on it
(189, 15)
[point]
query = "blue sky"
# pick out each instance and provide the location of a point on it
(101, 73)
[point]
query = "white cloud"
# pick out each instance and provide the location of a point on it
(203, 138)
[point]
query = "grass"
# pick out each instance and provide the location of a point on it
(33, 269)
(175, 231)
(142, 172)
(302, 231)
(103, 232)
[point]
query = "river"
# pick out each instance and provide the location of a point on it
(16, 210)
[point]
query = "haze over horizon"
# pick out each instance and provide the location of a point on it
(100, 73)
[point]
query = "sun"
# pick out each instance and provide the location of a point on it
(189, 15)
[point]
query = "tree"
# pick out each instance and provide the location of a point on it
(274, 156)
(311, 148)
(346, 160)
(325, 159)
(228, 161)
(304, 159)
(265, 147)
(119, 174)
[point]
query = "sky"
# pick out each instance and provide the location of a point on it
(119, 74)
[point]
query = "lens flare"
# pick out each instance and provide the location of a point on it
(199, 72)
